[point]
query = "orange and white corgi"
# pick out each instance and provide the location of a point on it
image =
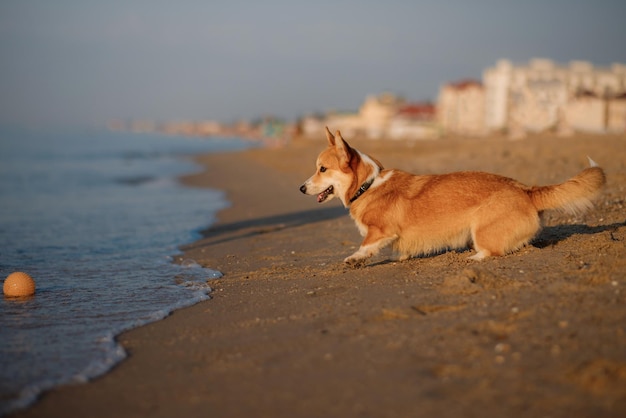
(421, 215)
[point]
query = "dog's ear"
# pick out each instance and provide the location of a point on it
(330, 137)
(343, 149)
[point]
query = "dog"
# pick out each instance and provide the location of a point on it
(421, 215)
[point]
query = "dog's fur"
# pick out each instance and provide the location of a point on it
(421, 215)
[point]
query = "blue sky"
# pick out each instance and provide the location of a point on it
(83, 62)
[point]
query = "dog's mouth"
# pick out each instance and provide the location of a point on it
(324, 195)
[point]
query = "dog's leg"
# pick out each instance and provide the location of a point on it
(404, 257)
(480, 255)
(364, 252)
(374, 241)
(504, 232)
(487, 241)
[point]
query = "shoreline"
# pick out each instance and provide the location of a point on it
(290, 331)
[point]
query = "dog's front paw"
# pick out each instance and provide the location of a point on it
(355, 262)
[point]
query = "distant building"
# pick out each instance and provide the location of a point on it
(377, 112)
(208, 128)
(537, 94)
(414, 121)
(312, 125)
(586, 112)
(496, 82)
(461, 108)
(616, 114)
(515, 99)
(373, 120)
(544, 95)
(349, 123)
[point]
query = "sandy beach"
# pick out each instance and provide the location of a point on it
(292, 332)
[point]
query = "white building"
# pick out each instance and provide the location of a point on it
(533, 97)
(497, 82)
(461, 108)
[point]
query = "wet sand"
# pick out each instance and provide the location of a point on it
(291, 332)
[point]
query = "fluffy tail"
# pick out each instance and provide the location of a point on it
(574, 196)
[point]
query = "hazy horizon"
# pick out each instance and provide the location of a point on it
(82, 63)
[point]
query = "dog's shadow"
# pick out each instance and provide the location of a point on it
(224, 232)
(552, 235)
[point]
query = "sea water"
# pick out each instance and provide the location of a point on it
(94, 218)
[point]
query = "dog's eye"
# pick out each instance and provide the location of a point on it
(322, 169)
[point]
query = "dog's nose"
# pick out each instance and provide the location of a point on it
(303, 188)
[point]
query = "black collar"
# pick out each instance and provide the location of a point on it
(362, 189)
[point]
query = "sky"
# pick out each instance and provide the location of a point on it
(70, 63)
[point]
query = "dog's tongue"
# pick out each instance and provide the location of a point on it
(324, 195)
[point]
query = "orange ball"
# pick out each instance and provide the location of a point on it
(18, 284)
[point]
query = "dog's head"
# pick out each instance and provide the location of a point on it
(340, 171)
